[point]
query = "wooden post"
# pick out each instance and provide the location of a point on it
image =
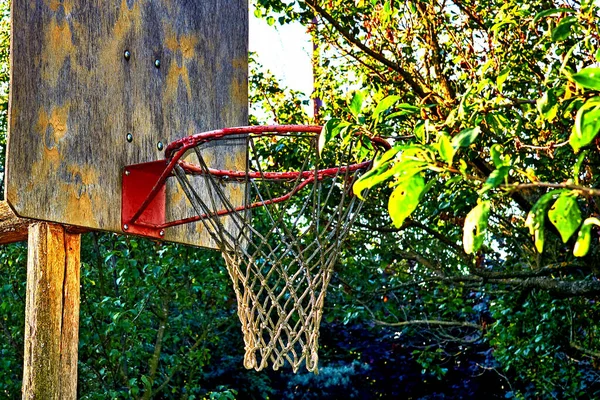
(51, 313)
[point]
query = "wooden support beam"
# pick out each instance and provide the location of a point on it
(51, 313)
(12, 228)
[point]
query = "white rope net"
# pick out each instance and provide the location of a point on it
(280, 255)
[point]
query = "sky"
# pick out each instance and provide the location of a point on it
(285, 50)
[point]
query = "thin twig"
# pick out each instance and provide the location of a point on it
(429, 323)
(523, 186)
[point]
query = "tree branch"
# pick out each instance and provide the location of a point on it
(585, 351)
(412, 223)
(429, 323)
(157, 348)
(522, 186)
(372, 53)
(432, 41)
(470, 14)
(481, 277)
(545, 271)
(556, 287)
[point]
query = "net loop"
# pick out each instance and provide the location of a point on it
(280, 242)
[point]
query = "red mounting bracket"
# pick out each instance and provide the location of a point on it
(138, 182)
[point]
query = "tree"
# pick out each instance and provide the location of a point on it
(490, 227)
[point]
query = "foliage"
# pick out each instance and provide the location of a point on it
(473, 269)
(490, 189)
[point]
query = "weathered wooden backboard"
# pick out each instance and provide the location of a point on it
(97, 85)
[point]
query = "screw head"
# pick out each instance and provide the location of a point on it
(127, 55)
(160, 146)
(125, 227)
(157, 63)
(161, 233)
(127, 172)
(129, 137)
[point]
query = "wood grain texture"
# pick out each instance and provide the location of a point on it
(75, 97)
(12, 228)
(51, 313)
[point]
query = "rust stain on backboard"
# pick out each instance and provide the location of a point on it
(57, 50)
(55, 5)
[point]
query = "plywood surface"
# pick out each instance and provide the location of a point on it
(75, 97)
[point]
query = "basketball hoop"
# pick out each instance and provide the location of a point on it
(281, 242)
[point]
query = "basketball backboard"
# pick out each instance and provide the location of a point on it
(98, 85)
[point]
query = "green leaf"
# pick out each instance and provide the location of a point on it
(356, 103)
(405, 199)
(584, 237)
(495, 179)
(537, 216)
(597, 55)
(565, 215)
(147, 382)
(563, 29)
(502, 78)
(547, 105)
(496, 152)
(388, 155)
(404, 171)
(405, 109)
(587, 124)
(476, 227)
(384, 105)
(465, 137)
(419, 131)
(506, 21)
(330, 129)
(445, 149)
(549, 12)
(409, 107)
(588, 78)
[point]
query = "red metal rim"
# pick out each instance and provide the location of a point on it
(175, 151)
(204, 137)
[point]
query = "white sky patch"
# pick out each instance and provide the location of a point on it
(286, 50)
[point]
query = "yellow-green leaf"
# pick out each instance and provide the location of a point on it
(565, 215)
(475, 227)
(537, 216)
(356, 104)
(403, 170)
(588, 78)
(496, 178)
(384, 105)
(502, 78)
(584, 237)
(497, 157)
(330, 129)
(405, 199)
(445, 149)
(587, 124)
